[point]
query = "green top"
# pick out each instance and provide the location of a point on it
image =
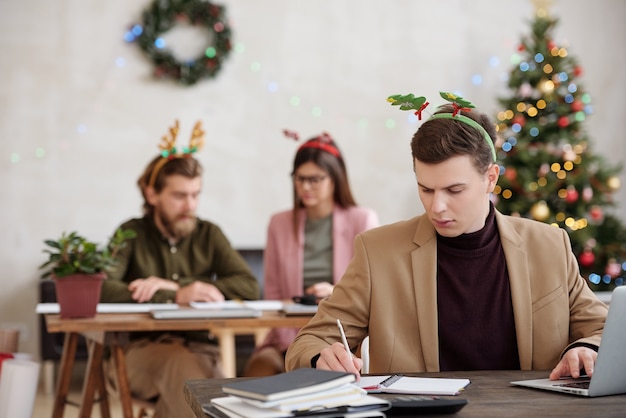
(318, 251)
(205, 255)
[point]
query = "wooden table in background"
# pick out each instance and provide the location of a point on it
(105, 329)
(489, 395)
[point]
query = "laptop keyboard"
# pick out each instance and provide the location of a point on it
(578, 385)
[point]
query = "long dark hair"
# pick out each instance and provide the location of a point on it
(333, 165)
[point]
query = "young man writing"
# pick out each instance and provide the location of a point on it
(461, 287)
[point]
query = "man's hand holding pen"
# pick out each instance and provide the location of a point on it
(338, 357)
(335, 358)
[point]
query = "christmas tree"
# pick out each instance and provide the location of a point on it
(549, 171)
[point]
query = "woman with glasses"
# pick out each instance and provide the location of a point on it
(309, 247)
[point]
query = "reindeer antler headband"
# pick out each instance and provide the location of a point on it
(170, 152)
(418, 104)
(323, 142)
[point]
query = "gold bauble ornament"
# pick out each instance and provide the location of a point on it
(545, 86)
(540, 211)
(614, 183)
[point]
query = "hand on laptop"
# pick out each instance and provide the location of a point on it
(575, 360)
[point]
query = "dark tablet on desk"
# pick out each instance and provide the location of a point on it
(415, 405)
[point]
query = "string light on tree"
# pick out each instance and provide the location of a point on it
(550, 174)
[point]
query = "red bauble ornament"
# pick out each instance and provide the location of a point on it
(563, 122)
(521, 47)
(596, 213)
(572, 195)
(586, 258)
(578, 71)
(577, 106)
(551, 45)
(519, 119)
(510, 174)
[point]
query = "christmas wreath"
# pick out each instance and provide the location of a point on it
(163, 15)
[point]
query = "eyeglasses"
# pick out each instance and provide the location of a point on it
(314, 181)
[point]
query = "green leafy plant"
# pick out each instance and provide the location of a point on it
(74, 254)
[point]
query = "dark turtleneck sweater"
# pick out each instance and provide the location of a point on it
(476, 325)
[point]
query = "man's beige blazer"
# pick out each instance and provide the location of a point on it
(389, 293)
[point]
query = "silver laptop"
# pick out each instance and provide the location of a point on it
(193, 313)
(609, 374)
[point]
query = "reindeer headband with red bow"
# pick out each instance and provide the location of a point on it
(323, 142)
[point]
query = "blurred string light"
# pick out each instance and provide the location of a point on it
(133, 33)
(272, 87)
(477, 79)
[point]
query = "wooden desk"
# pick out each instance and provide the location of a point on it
(107, 327)
(489, 395)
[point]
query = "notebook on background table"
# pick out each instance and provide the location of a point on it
(609, 374)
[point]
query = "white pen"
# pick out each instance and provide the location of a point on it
(343, 338)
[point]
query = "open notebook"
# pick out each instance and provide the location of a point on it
(609, 374)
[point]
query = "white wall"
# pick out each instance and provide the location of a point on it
(77, 128)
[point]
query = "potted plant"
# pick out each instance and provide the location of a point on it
(78, 267)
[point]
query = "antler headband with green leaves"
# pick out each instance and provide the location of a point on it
(170, 152)
(418, 104)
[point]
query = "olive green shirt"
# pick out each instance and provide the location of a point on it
(205, 255)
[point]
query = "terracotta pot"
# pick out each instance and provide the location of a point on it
(78, 295)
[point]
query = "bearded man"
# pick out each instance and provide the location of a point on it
(176, 258)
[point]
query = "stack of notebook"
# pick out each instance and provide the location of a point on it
(299, 393)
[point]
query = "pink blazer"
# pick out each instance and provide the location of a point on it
(283, 257)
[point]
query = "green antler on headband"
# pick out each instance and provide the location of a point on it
(458, 102)
(409, 102)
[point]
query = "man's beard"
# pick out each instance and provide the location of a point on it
(179, 227)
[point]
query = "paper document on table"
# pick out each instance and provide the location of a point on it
(226, 304)
(53, 308)
(412, 385)
(364, 406)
